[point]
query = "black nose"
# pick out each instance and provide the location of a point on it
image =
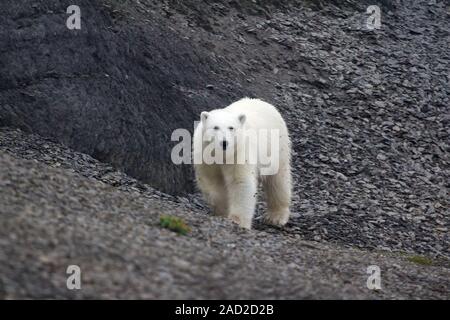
(224, 145)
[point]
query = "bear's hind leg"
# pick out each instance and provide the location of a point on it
(277, 190)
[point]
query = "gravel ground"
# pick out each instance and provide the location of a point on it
(61, 208)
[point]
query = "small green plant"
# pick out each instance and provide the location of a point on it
(175, 224)
(424, 261)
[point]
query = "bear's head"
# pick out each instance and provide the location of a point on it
(223, 129)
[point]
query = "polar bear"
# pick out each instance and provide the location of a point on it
(247, 140)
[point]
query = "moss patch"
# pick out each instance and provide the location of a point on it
(174, 224)
(424, 261)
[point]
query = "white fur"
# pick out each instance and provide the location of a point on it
(231, 189)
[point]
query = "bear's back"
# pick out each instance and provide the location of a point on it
(260, 114)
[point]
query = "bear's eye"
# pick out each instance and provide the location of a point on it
(231, 128)
(216, 128)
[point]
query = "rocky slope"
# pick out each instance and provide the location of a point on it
(368, 112)
(61, 208)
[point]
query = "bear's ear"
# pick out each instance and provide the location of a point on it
(242, 118)
(204, 115)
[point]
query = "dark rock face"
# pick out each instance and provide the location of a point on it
(116, 89)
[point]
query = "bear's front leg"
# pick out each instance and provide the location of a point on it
(212, 185)
(242, 187)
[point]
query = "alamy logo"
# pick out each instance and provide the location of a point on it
(74, 280)
(374, 20)
(73, 22)
(374, 279)
(248, 146)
